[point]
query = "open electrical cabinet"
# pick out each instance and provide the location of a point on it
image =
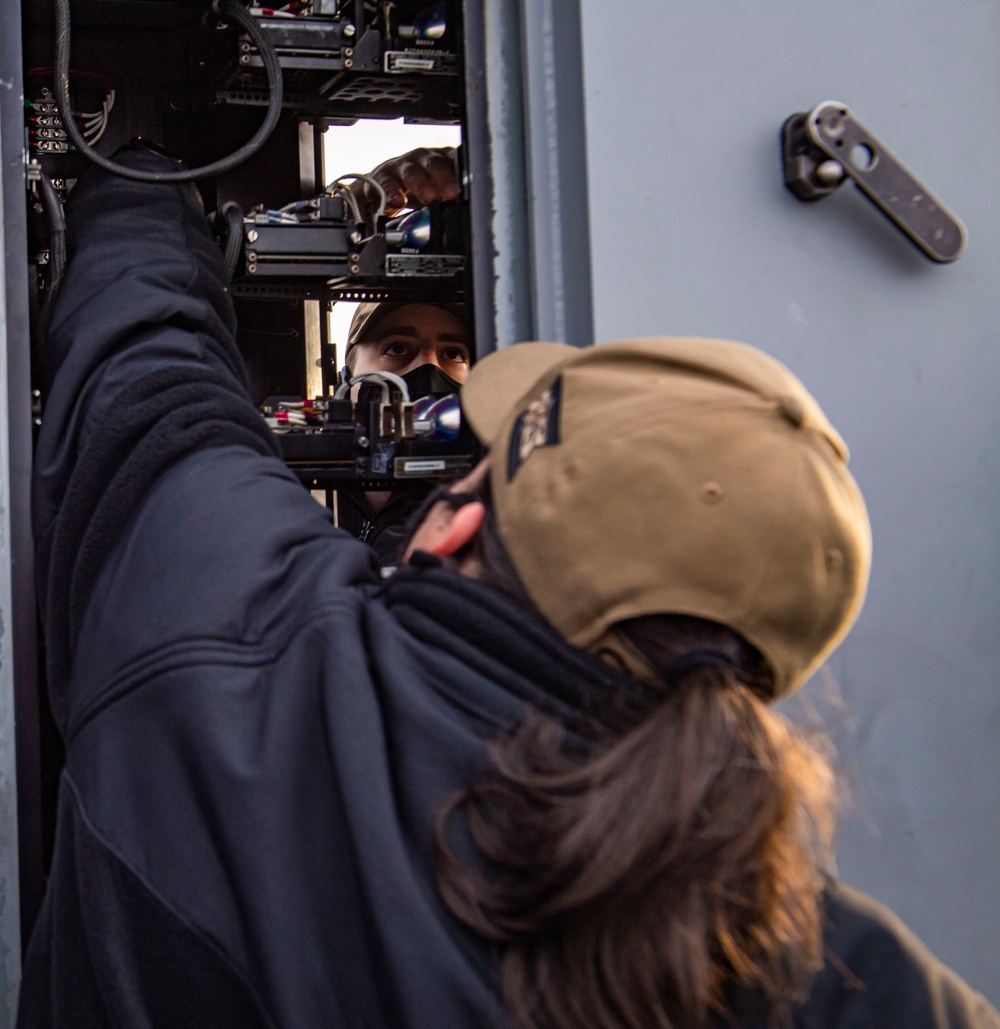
(208, 82)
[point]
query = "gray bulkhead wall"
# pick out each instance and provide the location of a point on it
(692, 232)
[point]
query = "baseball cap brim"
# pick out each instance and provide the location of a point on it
(501, 379)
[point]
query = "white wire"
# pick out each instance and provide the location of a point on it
(94, 125)
(364, 178)
(109, 102)
(383, 378)
(352, 201)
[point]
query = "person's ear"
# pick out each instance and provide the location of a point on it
(445, 530)
(461, 528)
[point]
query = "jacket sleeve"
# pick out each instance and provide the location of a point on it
(877, 973)
(140, 373)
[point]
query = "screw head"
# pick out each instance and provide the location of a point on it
(833, 126)
(830, 173)
(252, 236)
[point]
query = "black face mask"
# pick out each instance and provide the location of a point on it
(427, 380)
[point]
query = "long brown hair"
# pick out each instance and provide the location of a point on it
(642, 879)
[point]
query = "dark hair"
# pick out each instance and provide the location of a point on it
(646, 878)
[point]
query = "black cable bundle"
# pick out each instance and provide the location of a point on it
(228, 9)
(57, 249)
(227, 222)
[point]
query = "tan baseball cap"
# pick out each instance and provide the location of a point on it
(673, 476)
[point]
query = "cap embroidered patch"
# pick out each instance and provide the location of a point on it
(536, 426)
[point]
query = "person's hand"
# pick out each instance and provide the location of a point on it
(413, 179)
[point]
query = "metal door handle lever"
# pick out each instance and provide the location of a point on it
(823, 147)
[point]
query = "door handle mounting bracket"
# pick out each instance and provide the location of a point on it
(824, 147)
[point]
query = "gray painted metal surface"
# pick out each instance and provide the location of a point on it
(477, 148)
(511, 297)
(10, 924)
(692, 232)
(20, 819)
(557, 174)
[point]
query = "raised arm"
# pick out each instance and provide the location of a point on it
(141, 373)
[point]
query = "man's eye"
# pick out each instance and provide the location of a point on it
(458, 355)
(395, 348)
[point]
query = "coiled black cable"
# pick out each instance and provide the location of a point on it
(230, 9)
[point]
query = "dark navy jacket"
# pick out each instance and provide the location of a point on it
(259, 729)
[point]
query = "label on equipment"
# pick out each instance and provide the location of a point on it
(437, 62)
(401, 62)
(423, 467)
(430, 265)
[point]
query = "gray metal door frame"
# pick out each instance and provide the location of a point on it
(18, 680)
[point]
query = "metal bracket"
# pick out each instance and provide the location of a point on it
(824, 147)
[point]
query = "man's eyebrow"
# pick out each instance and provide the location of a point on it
(411, 330)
